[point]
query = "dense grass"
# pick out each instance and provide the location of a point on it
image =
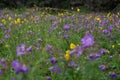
(49, 34)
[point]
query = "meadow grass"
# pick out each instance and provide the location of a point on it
(52, 44)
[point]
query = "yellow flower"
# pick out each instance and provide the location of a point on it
(9, 18)
(3, 21)
(68, 52)
(78, 10)
(18, 20)
(98, 19)
(108, 15)
(100, 28)
(15, 22)
(113, 46)
(67, 57)
(25, 20)
(72, 46)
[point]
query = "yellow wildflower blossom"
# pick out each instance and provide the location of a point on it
(68, 52)
(3, 21)
(72, 46)
(100, 28)
(67, 57)
(78, 10)
(113, 46)
(9, 18)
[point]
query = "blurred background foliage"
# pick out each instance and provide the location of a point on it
(94, 5)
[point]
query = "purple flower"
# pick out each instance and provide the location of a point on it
(105, 31)
(110, 28)
(7, 36)
(20, 50)
(72, 52)
(1, 24)
(39, 40)
(16, 66)
(66, 36)
(72, 64)
(0, 72)
(66, 27)
(2, 41)
(49, 78)
(24, 69)
(79, 52)
(103, 67)
(29, 49)
(103, 51)
(110, 57)
(53, 60)
(55, 69)
(87, 40)
(94, 56)
(113, 75)
(48, 47)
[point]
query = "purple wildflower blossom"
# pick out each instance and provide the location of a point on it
(87, 40)
(0, 72)
(53, 60)
(72, 52)
(103, 67)
(113, 75)
(39, 40)
(48, 47)
(1, 24)
(72, 64)
(110, 28)
(7, 36)
(55, 69)
(29, 49)
(49, 78)
(24, 69)
(16, 66)
(66, 27)
(79, 52)
(20, 50)
(66, 36)
(103, 51)
(110, 57)
(94, 56)
(105, 31)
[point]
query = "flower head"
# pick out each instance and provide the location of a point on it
(94, 56)
(72, 46)
(49, 78)
(103, 67)
(16, 66)
(48, 47)
(66, 27)
(55, 69)
(67, 57)
(53, 60)
(0, 72)
(87, 40)
(72, 64)
(113, 75)
(20, 50)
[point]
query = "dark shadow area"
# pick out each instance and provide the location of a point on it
(93, 5)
